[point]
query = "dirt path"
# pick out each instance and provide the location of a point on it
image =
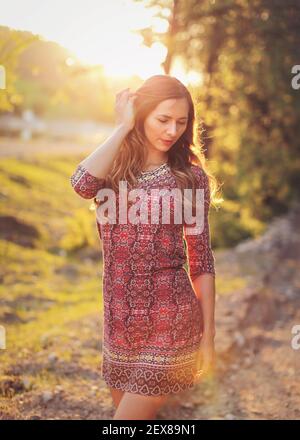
(11, 147)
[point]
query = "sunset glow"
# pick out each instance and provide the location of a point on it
(98, 32)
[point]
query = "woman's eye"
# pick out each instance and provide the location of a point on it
(180, 123)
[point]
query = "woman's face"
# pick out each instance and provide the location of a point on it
(167, 121)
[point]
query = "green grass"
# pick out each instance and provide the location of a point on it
(45, 287)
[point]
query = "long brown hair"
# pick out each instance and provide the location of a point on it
(131, 157)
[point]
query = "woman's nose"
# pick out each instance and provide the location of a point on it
(171, 131)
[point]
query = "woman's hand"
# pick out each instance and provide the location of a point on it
(206, 357)
(124, 108)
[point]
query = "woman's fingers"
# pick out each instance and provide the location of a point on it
(124, 107)
(126, 92)
(122, 93)
(126, 95)
(208, 367)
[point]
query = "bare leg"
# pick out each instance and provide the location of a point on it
(137, 407)
(116, 395)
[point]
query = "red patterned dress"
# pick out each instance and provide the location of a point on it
(152, 317)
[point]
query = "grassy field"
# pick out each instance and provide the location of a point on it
(51, 262)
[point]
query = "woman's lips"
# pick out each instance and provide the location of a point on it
(166, 142)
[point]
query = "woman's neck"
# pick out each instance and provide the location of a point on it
(155, 161)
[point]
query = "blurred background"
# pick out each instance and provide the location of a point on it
(61, 65)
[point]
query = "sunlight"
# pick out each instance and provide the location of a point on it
(100, 33)
(186, 77)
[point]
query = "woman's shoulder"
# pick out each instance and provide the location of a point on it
(199, 173)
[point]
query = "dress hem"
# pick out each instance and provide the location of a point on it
(135, 389)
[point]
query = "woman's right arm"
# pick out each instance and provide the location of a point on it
(100, 161)
(89, 175)
(91, 172)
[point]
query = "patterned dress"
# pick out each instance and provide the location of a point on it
(153, 320)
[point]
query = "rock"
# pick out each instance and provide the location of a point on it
(47, 396)
(58, 389)
(187, 405)
(248, 361)
(240, 339)
(68, 270)
(9, 386)
(52, 357)
(229, 416)
(94, 389)
(207, 392)
(15, 230)
(27, 383)
(290, 292)
(45, 340)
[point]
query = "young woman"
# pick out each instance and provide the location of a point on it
(158, 332)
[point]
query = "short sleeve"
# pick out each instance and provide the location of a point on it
(85, 184)
(200, 255)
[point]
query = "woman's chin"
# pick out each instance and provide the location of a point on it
(161, 147)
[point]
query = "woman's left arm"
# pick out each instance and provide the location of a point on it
(202, 274)
(205, 289)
